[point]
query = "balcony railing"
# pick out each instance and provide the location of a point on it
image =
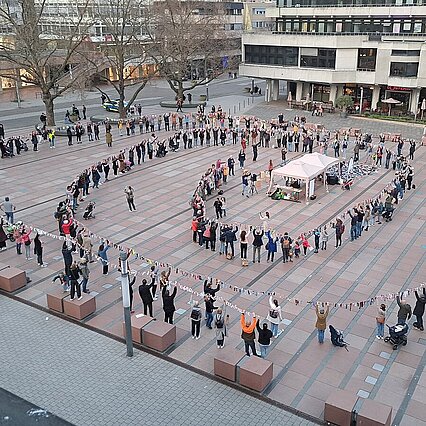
(375, 35)
(282, 4)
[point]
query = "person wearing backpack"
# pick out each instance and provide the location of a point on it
(264, 338)
(274, 316)
(196, 320)
(220, 323)
(286, 247)
(247, 334)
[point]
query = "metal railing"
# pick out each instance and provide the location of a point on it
(410, 35)
(353, 4)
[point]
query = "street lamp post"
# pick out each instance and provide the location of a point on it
(207, 91)
(361, 99)
(125, 292)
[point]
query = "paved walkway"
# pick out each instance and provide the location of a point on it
(86, 379)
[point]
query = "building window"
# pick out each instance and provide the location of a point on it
(367, 59)
(405, 52)
(324, 58)
(271, 55)
(404, 69)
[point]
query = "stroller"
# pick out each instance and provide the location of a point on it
(388, 213)
(337, 338)
(89, 211)
(397, 335)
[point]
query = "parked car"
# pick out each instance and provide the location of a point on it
(112, 106)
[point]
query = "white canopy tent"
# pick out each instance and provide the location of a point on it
(317, 159)
(306, 168)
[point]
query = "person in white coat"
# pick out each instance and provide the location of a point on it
(274, 316)
(324, 238)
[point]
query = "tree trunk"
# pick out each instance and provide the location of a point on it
(48, 103)
(122, 110)
(180, 90)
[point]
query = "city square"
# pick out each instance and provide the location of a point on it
(212, 212)
(389, 258)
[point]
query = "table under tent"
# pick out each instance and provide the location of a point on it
(286, 181)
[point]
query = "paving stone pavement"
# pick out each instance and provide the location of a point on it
(86, 379)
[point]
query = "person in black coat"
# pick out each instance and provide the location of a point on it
(74, 275)
(38, 250)
(145, 293)
(67, 255)
(230, 237)
(419, 310)
(208, 289)
(169, 304)
(264, 339)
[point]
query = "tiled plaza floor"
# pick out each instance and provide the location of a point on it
(388, 258)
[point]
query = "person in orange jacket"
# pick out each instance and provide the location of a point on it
(248, 335)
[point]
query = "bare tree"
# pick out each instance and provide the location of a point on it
(124, 49)
(184, 32)
(50, 58)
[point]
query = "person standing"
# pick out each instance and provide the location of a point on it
(38, 250)
(218, 208)
(8, 209)
(73, 277)
(195, 317)
(321, 323)
(67, 255)
(27, 243)
(340, 229)
(245, 184)
(84, 112)
(145, 293)
(85, 273)
(324, 237)
(231, 166)
(209, 304)
(274, 316)
(419, 309)
(412, 149)
(264, 338)
(243, 245)
(257, 244)
(404, 312)
(286, 242)
(380, 321)
(169, 303)
(248, 334)
(220, 322)
(255, 151)
(271, 245)
(317, 237)
(102, 253)
(69, 135)
(108, 139)
(241, 158)
(130, 194)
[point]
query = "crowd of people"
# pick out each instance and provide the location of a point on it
(213, 129)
